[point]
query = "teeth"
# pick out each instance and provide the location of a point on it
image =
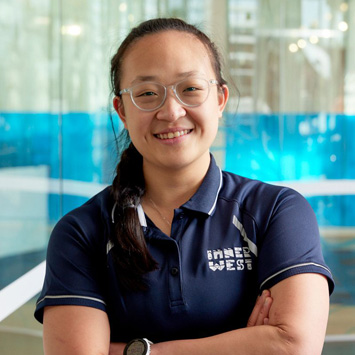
(171, 135)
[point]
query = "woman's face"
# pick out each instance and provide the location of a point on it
(168, 58)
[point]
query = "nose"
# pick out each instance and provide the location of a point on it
(172, 109)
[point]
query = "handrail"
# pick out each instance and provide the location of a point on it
(340, 338)
(21, 290)
(308, 188)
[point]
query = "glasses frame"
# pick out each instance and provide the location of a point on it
(173, 87)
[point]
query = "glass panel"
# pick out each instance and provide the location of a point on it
(291, 60)
(29, 157)
(28, 137)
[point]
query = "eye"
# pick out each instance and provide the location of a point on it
(191, 88)
(146, 90)
(147, 93)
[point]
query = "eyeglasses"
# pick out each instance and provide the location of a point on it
(149, 96)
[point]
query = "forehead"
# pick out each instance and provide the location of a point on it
(166, 55)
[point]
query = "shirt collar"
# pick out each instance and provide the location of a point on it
(140, 212)
(205, 198)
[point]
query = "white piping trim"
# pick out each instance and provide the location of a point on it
(293, 267)
(21, 290)
(253, 248)
(141, 216)
(71, 296)
(113, 213)
(109, 246)
(219, 189)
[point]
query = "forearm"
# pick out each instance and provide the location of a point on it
(296, 325)
(259, 316)
(256, 340)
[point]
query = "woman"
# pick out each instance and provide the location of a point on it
(177, 251)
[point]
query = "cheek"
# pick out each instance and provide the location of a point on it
(211, 115)
(212, 123)
(132, 128)
(137, 126)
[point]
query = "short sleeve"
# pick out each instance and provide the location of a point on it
(291, 243)
(75, 266)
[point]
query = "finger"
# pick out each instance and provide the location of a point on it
(257, 308)
(264, 311)
(254, 314)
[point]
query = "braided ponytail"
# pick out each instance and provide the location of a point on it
(130, 251)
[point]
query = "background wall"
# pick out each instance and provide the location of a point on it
(292, 122)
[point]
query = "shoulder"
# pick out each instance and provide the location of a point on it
(93, 212)
(262, 201)
(247, 191)
(87, 223)
(76, 257)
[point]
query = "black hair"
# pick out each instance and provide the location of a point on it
(130, 251)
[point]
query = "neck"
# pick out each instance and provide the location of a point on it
(173, 187)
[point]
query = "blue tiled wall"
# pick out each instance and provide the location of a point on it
(272, 147)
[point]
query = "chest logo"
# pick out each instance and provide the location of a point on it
(231, 259)
(235, 258)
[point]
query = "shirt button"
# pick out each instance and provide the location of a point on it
(181, 216)
(174, 271)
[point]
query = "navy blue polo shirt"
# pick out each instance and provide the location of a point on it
(232, 239)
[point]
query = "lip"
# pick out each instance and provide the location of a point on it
(172, 134)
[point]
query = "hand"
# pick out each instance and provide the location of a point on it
(260, 313)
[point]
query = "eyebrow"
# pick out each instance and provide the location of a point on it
(142, 78)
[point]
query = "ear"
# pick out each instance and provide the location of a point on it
(119, 108)
(223, 95)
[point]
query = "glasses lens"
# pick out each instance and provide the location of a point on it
(148, 96)
(192, 91)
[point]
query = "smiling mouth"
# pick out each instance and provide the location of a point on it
(172, 135)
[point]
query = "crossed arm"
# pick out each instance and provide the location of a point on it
(293, 323)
